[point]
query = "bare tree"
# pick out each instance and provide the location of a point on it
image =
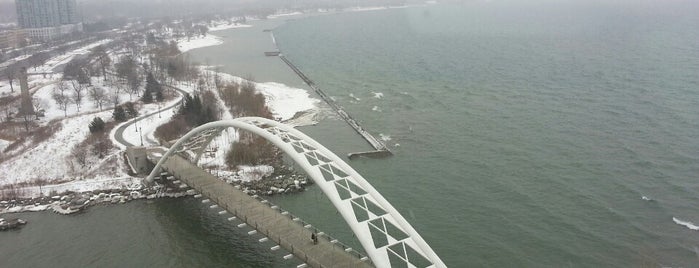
(80, 155)
(10, 73)
(99, 96)
(217, 78)
(6, 110)
(61, 87)
(201, 85)
(126, 66)
(62, 101)
(38, 59)
(134, 82)
(103, 59)
(78, 90)
(39, 106)
(114, 96)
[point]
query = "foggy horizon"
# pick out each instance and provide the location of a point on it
(93, 10)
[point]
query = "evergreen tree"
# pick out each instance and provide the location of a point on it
(83, 77)
(147, 96)
(159, 96)
(96, 125)
(119, 114)
(131, 110)
(152, 87)
(194, 111)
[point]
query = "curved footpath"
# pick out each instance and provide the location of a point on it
(119, 133)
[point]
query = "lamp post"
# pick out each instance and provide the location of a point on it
(141, 135)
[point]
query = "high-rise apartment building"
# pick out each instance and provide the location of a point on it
(47, 19)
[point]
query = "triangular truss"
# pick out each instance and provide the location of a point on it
(386, 236)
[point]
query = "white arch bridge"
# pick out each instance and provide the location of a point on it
(388, 239)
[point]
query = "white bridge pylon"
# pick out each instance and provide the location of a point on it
(388, 239)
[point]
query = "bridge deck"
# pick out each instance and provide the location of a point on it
(277, 227)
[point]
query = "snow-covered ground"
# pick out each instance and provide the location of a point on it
(283, 101)
(65, 58)
(4, 144)
(284, 14)
(52, 63)
(34, 81)
(53, 111)
(225, 26)
(208, 40)
(198, 42)
(48, 160)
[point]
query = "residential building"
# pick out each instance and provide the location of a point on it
(11, 38)
(47, 19)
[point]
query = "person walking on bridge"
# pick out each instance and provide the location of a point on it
(314, 238)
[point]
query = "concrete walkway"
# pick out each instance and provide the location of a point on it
(282, 229)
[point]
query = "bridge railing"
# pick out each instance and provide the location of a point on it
(320, 234)
(286, 244)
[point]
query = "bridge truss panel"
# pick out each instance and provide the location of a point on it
(388, 239)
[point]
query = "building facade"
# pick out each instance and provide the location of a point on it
(47, 19)
(11, 38)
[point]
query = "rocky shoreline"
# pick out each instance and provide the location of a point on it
(272, 186)
(72, 202)
(11, 224)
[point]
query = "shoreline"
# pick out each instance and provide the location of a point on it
(297, 117)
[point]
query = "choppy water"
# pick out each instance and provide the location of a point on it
(529, 135)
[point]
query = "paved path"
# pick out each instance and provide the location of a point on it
(119, 134)
(282, 229)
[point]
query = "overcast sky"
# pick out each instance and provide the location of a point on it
(93, 9)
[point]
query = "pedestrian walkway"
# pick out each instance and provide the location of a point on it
(282, 228)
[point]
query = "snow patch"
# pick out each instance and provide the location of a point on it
(207, 41)
(283, 101)
(221, 27)
(65, 58)
(80, 186)
(51, 154)
(284, 15)
(254, 173)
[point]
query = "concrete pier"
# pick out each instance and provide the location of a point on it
(380, 147)
(286, 231)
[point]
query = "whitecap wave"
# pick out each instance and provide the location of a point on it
(353, 97)
(646, 198)
(687, 224)
(377, 95)
(376, 109)
(384, 137)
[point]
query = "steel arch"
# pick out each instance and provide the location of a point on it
(385, 235)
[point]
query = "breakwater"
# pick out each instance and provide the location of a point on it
(380, 148)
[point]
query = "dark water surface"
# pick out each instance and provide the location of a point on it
(528, 132)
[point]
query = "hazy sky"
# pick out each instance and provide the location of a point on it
(92, 9)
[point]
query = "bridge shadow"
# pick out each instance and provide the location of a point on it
(199, 237)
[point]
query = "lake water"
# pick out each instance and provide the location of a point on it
(525, 135)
